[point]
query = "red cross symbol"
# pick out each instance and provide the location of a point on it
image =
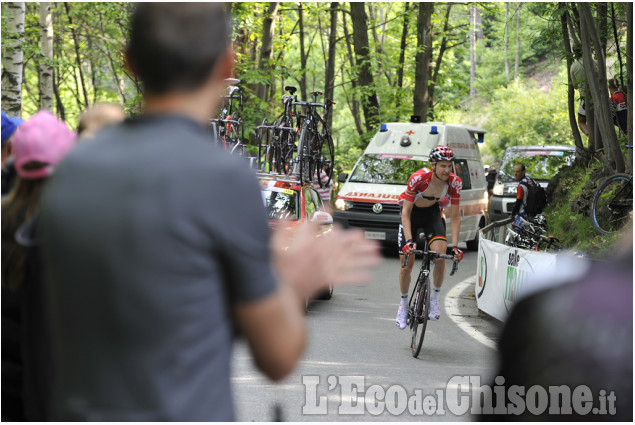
(410, 132)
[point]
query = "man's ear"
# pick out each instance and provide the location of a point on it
(226, 63)
(129, 62)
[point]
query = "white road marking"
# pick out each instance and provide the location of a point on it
(451, 304)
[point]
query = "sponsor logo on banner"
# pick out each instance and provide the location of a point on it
(482, 272)
(518, 271)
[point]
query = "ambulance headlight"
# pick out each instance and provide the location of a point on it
(343, 204)
(498, 189)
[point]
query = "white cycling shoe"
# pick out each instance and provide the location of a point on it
(402, 316)
(435, 310)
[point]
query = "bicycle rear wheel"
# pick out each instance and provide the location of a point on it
(612, 204)
(419, 318)
(326, 155)
(306, 161)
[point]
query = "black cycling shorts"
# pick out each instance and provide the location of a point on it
(427, 220)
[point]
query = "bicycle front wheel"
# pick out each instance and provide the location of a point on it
(612, 204)
(419, 318)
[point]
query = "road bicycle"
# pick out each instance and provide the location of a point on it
(277, 142)
(531, 234)
(315, 145)
(613, 203)
(228, 127)
(419, 303)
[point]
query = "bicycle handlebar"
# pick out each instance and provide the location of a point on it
(455, 265)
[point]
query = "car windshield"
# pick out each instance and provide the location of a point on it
(539, 164)
(281, 204)
(386, 169)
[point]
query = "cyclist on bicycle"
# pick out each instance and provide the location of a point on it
(421, 210)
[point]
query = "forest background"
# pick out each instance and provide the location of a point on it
(498, 66)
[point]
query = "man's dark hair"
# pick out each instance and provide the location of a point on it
(522, 166)
(175, 46)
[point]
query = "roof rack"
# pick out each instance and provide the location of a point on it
(278, 177)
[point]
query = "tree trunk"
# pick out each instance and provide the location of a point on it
(402, 51)
(303, 55)
(12, 58)
(61, 111)
(629, 79)
(617, 44)
(437, 63)
(330, 64)
(354, 103)
(422, 60)
(602, 16)
(78, 59)
(520, 5)
(266, 47)
(45, 68)
(370, 103)
(596, 78)
(506, 40)
(582, 156)
(472, 50)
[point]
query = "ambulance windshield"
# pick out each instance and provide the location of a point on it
(386, 169)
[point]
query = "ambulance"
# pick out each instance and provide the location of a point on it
(369, 196)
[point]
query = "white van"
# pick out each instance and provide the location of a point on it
(368, 198)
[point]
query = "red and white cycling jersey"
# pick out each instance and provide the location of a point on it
(419, 181)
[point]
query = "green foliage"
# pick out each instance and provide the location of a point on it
(575, 228)
(519, 114)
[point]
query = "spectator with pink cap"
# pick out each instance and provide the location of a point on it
(38, 146)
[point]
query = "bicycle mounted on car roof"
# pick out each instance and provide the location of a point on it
(228, 127)
(276, 142)
(315, 145)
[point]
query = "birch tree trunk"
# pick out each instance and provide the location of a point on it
(422, 60)
(12, 59)
(46, 69)
(520, 5)
(266, 49)
(472, 50)
(506, 40)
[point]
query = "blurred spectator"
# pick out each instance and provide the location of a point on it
(9, 175)
(157, 246)
(491, 179)
(325, 192)
(619, 107)
(99, 115)
(577, 333)
(579, 81)
(38, 146)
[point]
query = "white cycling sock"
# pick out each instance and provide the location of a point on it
(404, 299)
(435, 293)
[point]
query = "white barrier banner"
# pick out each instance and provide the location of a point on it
(504, 274)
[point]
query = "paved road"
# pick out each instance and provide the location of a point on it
(353, 338)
